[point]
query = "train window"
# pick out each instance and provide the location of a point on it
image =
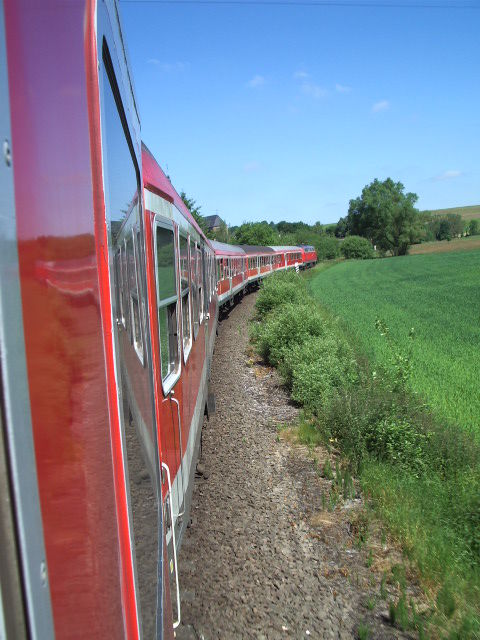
(200, 284)
(167, 303)
(134, 298)
(194, 281)
(119, 290)
(185, 295)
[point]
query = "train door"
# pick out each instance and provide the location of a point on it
(137, 464)
(168, 312)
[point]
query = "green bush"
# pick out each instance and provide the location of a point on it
(327, 247)
(288, 325)
(356, 247)
(278, 289)
(317, 367)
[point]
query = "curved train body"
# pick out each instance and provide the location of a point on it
(109, 300)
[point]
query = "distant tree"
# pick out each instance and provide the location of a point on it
(456, 224)
(473, 227)
(341, 228)
(260, 233)
(330, 229)
(444, 230)
(356, 247)
(386, 216)
(222, 234)
(194, 209)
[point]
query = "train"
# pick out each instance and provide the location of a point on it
(110, 296)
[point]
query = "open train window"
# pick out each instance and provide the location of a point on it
(167, 303)
(185, 295)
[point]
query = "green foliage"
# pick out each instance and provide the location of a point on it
(385, 215)
(260, 233)
(326, 246)
(286, 286)
(473, 228)
(363, 631)
(356, 247)
(289, 325)
(194, 209)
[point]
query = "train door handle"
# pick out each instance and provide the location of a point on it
(167, 471)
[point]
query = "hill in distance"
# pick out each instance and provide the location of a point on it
(467, 213)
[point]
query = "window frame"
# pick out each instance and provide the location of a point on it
(173, 377)
(186, 351)
(139, 348)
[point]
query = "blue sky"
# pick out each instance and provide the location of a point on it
(287, 112)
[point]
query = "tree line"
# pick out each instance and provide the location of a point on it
(384, 218)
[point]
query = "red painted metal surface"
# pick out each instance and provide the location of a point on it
(62, 320)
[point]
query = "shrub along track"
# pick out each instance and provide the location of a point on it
(262, 558)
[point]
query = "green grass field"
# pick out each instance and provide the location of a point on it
(467, 213)
(439, 296)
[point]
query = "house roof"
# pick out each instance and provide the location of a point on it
(213, 221)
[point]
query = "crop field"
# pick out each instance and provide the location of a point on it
(438, 295)
(467, 213)
(468, 243)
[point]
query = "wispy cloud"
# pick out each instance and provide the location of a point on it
(252, 166)
(301, 75)
(168, 67)
(383, 105)
(256, 81)
(314, 90)
(342, 88)
(448, 175)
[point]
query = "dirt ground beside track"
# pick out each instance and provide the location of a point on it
(263, 558)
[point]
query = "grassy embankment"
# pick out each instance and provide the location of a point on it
(357, 383)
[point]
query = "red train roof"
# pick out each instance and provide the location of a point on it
(155, 180)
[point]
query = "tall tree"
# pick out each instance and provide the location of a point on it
(386, 216)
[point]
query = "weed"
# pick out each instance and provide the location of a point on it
(383, 588)
(371, 602)
(363, 631)
(327, 470)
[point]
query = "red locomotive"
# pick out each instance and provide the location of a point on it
(109, 298)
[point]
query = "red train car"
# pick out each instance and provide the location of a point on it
(110, 300)
(309, 256)
(231, 272)
(109, 303)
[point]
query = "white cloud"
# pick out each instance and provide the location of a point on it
(168, 67)
(342, 88)
(314, 90)
(448, 175)
(383, 105)
(256, 81)
(252, 166)
(301, 75)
